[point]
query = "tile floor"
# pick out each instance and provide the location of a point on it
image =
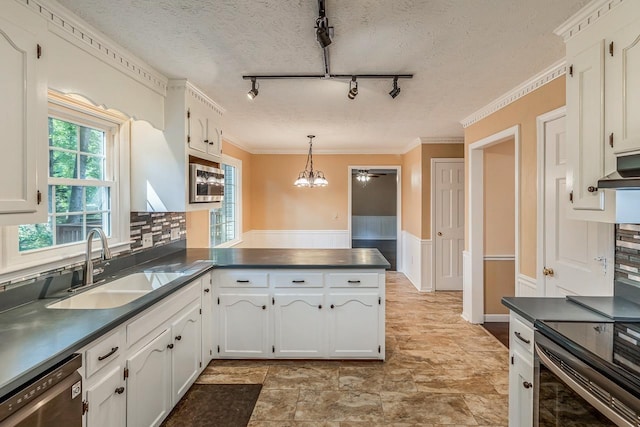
(439, 370)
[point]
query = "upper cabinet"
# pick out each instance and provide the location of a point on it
(160, 160)
(603, 112)
(23, 117)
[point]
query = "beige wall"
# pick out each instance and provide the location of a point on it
(522, 112)
(499, 281)
(412, 192)
(499, 199)
(433, 151)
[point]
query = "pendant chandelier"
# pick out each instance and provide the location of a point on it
(308, 177)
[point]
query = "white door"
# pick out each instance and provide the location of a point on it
(300, 325)
(244, 325)
(107, 401)
(207, 320)
(149, 383)
(578, 254)
(351, 325)
(448, 232)
(185, 354)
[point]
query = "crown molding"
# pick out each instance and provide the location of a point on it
(586, 17)
(551, 73)
(68, 25)
(442, 140)
(346, 151)
(196, 93)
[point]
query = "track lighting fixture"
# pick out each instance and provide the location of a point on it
(323, 35)
(254, 89)
(396, 90)
(353, 88)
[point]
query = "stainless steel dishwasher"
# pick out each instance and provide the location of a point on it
(52, 399)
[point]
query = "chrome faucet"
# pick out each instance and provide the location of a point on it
(106, 253)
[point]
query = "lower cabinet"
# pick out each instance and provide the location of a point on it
(244, 324)
(353, 320)
(185, 351)
(207, 319)
(299, 324)
(521, 382)
(108, 400)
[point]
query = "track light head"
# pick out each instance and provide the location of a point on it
(323, 34)
(396, 90)
(254, 90)
(353, 88)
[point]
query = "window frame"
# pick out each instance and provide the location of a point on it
(79, 111)
(237, 164)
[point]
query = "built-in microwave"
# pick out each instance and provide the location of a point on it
(206, 183)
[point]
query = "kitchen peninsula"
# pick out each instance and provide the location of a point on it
(224, 303)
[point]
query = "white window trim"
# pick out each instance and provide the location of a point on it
(236, 163)
(16, 265)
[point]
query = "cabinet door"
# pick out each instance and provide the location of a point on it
(23, 120)
(207, 320)
(623, 87)
(214, 138)
(244, 325)
(585, 128)
(300, 325)
(106, 399)
(520, 391)
(149, 383)
(185, 353)
(197, 130)
(353, 325)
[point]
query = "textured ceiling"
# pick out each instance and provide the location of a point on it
(463, 54)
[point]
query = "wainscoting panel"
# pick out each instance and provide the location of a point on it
(526, 286)
(416, 261)
(309, 239)
(374, 227)
(467, 289)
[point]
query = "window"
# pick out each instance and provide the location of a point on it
(79, 188)
(225, 221)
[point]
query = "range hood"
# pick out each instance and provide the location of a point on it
(628, 167)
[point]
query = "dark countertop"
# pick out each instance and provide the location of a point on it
(35, 338)
(549, 308)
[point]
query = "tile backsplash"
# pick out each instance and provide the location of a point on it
(627, 263)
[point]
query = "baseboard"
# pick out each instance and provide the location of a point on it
(526, 286)
(302, 239)
(495, 318)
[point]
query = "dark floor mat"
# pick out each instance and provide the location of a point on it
(220, 405)
(499, 330)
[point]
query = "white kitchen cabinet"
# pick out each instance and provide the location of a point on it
(185, 349)
(521, 385)
(107, 399)
(23, 117)
(207, 319)
(353, 325)
(203, 129)
(299, 323)
(244, 324)
(149, 382)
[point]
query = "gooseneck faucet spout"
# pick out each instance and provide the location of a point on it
(106, 253)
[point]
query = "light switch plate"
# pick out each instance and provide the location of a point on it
(147, 240)
(175, 233)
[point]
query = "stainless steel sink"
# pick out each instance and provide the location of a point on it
(117, 293)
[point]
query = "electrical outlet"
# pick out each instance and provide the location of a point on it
(175, 233)
(147, 240)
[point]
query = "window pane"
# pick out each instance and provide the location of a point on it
(69, 229)
(63, 134)
(62, 164)
(68, 198)
(91, 167)
(99, 220)
(91, 140)
(35, 236)
(97, 198)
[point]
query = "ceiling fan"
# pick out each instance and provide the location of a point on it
(364, 175)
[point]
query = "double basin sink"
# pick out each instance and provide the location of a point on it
(118, 292)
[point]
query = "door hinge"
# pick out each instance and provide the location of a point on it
(188, 114)
(200, 364)
(379, 349)
(571, 70)
(218, 300)
(273, 301)
(38, 196)
(611, 48)
(38, 51)
(85, 406)
(512, 360)
(218, 349)
(188, 138)
(210, 352)
(571, 197)
(611, 140)
(126, 373)
(210, 281)
(200, 311)
(273, 349)
(379, 300)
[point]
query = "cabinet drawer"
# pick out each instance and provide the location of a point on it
(243, 279)
(352, 280)
(161, 312)
(103, 352)
(297, 280)
(521, 335)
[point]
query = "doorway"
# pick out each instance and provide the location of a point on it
(374, 210)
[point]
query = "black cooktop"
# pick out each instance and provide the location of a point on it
(612, 348)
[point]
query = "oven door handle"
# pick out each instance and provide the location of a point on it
(578, 388)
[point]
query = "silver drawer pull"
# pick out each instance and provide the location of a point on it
(521, 338)
(297, 281)
(113, 350)
(353, 281)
